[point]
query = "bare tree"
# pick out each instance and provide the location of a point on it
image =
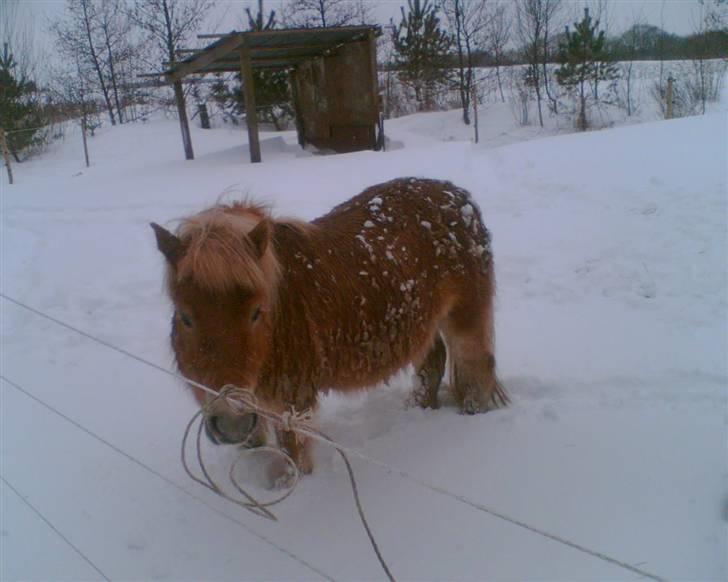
(169, 24)
(466, 22)
(631, 42)
(498, 34)
(704, 82)
(117, 46)
(530, 30)
(314, 13)
(550, 10)
(79, 40)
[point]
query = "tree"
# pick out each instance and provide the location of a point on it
(168, 24)
(272, 97)
(584, 60)
(421, 48)
(467, 20)
(114, 28)
(498, 33)
(550, 11)
(530, 28)
(20, 113)
(79, 40)
(703, 84)
(628, 46)
(314, 13)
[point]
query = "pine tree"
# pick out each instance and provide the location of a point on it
(422, 48)
(20, 114)
(585, 60)
(272, 97)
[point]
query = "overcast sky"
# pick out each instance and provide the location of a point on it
(676, 16)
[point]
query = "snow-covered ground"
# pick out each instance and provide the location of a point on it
(612, 338)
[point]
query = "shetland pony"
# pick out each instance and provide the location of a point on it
(400, 274)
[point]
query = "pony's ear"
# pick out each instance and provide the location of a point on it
(169, 245)
(260, 236)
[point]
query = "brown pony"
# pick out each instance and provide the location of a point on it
(291, 309)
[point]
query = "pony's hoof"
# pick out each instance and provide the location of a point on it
(280, 475)
(472, 406)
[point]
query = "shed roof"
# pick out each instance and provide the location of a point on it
(268, 49)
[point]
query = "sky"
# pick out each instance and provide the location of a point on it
(675, 16)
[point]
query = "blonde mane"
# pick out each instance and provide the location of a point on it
(219, 256)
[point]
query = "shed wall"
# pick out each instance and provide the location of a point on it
(337, 101)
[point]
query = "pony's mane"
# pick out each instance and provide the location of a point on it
(218, 255)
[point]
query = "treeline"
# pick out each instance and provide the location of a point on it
(645, 42)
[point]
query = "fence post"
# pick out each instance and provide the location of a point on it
(668, 98)
(6, 154)
(83, 135)
(474, 99)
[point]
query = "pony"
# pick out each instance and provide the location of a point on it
(401, 274)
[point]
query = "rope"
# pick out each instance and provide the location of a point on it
(244, 401)
(229, 395)
(320, 437)
(251, 504)
(54, 528)
(164, 478)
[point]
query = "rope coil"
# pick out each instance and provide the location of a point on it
(245, 401)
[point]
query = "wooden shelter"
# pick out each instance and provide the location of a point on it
(333, 78)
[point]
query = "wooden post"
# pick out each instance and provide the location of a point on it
(378, 141)
(474, 99)
(251, 113)
(204, 115)
(183, 122)
(6, 154)
(83, 135)
(668, 98)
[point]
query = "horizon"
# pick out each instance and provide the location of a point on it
(673, 16)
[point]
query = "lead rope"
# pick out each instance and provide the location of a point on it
(242, 400)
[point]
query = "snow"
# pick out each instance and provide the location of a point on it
(612, 333)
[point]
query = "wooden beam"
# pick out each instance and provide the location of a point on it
(205, 58)
(256, 63)
(251, 114)
(372, 42)
(291, 47)
(183, 123)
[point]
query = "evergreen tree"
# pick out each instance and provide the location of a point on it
(272, 97)
(421, 51)
(20, 114)
(585, 61)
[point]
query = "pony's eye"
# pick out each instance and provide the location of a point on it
(256, 314)
(184, 318)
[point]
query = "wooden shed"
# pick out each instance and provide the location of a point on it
(332, 73)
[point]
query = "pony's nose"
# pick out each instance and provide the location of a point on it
(230, 430)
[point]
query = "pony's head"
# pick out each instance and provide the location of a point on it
(221, 277)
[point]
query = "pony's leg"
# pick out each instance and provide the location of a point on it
(280, 474)
(469, 334)
(299, 448)
(429, 375)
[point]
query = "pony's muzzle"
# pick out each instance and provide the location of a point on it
(233, 429)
